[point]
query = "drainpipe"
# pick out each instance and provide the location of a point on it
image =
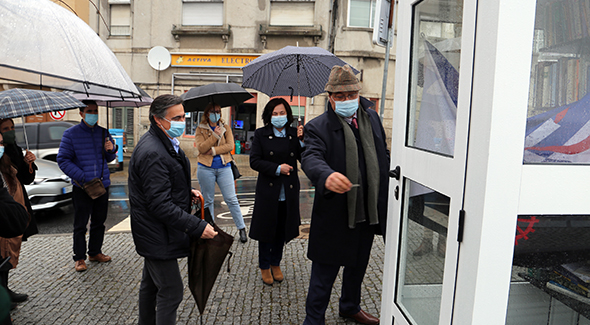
(333, 26)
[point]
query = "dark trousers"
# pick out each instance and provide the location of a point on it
(160, 292)
(272, 253)
(324, 275)
(86, 208)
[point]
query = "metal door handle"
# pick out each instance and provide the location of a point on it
(395, 173)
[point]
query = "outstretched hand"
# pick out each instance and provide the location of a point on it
(338, 183)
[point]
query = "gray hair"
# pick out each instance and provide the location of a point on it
(162, 103)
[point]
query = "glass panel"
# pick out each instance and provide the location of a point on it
(425, 221)
(434, 78)
(558, 123)
(551, 272)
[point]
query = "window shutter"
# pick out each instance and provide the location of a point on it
(292, 13)
(202, 13)
(120, 19)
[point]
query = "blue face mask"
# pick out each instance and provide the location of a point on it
(176, 128)
(347, 108)
(91, 119)
(214, 117)
(1, 151)
(278, 121)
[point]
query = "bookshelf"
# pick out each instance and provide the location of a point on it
(560, 73)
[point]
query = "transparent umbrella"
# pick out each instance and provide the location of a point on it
(45, 44)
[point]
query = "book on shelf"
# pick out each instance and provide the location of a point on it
(554, 286)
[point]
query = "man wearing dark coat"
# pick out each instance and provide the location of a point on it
(347, 160)
(160, 196)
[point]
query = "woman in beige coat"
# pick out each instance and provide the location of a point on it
(215, 141)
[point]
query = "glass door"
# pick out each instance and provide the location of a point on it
(429, 153)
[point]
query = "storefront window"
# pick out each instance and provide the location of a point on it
(434, 77)
(423, 250)
(558, 123)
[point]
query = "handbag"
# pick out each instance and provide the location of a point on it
(234, 168)
(94, 187)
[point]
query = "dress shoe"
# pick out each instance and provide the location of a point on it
(99, 258)
(266, 276)
(362, 318)
(243, 237)
(276, 273)
(80, 266)
(12, 305)
(17, 297)
(424, 248)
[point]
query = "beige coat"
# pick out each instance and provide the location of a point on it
(11, 246)
(207, 140)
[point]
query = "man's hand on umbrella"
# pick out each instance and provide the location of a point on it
(108, 145)
(195, 194)
(209, 232)
(29, 157)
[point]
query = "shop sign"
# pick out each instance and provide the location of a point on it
(211, 60)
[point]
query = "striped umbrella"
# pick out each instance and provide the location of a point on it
(19, 102)
(280, 73)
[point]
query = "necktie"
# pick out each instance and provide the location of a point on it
(354, 123)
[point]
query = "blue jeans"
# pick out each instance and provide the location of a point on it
(225, 180)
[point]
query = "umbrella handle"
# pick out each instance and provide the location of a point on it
(202, 207)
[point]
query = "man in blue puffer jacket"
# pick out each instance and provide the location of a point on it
(84, 153)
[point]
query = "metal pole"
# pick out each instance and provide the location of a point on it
(391, 25)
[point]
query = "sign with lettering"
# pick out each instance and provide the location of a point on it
(211, 60)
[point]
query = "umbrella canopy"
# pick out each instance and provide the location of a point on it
(561, 135)
(109, 98)
(23, 102)
(224, 94)
(205, 260)
(45, 44)
(291, 70)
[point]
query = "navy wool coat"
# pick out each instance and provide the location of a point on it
(267, 153)
(331, 241)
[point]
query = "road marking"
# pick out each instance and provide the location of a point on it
(124, 225)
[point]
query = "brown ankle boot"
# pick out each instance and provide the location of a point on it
(266, 277)
(276, 273)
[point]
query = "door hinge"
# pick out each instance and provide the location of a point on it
(461, 225)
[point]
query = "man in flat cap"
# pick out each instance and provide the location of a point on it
(347, 160)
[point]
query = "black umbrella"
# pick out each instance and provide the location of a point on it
(205, 260)
(223, 94)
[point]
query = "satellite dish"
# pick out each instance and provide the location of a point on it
(159, 58)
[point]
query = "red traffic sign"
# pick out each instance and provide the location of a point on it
(57, 115)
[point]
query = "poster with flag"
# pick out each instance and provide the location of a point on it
(561, 135)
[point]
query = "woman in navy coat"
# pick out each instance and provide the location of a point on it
(275, 150)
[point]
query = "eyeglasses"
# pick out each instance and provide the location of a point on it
(216, 112)
(341, 97)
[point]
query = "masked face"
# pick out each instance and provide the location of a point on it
(176, 128)
(345, 104)
(91, 119)
(278, 121)
(9, 137)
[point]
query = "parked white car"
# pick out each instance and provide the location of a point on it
(51, 188)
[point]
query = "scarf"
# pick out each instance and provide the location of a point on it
(352, 170)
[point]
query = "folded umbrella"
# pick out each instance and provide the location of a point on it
(205, 260)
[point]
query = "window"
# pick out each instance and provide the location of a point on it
(202, 13)
(292, 13)
(120, 17)
(361, 13)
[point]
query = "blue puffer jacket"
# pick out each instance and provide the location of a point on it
(80, 154)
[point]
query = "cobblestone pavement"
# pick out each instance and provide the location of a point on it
(107, 293)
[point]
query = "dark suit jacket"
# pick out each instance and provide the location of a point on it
(331, 241)
(267, 153)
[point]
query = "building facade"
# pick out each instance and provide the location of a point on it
(209, 41)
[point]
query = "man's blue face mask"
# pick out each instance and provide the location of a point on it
(346, 108)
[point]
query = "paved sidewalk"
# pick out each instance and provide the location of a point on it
(108, 293)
